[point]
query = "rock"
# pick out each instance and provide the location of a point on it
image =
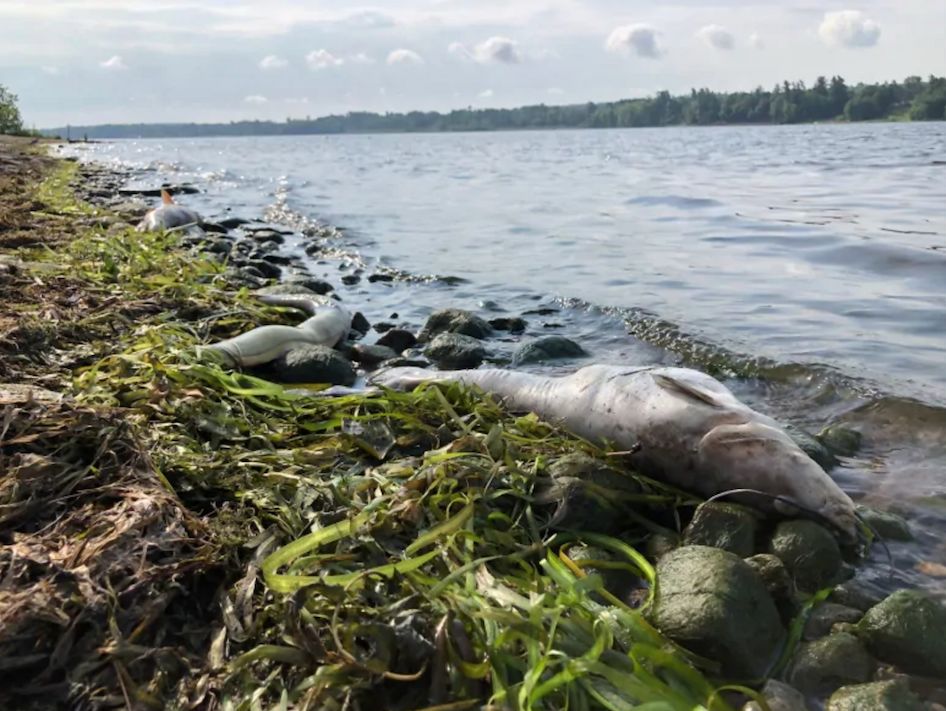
(591, 496)
(841, 440)
(617, 579)
(779, 697)
(280, 259)
(777, 581)
(245, 276)
(184, 189)
(288, 288)
(382, 326)
(372, 354)
(219, 246)
(661, 543)
(267, 269)
(908, 630)
(317, 286)
(826, 616)
(547, 348)
(888, 525)
(267, 235)
(878, 696)
(232, 222)
(713, 602)
(455, 321)
(856, 594)
(809, 551)
(721, 525)
(513, 325)
(453, 351)
(312, 364)
(811, 446)
(380, 277)
(826, 664)
(360, 323)
(397, 339)
(351, 279)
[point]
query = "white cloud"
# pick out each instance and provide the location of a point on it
(755, 41)
(458, 49)
(717, 37)
(405, 56)
(497, 49)
(638, 38)
(848, 28)
(296, 100)
(51, 70)
(114, 63)
(322, 59)
(361, 58)
(255, 99)
(271, 61)
(485, 94)
(555, 91)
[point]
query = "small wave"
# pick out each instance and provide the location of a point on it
(680, 201)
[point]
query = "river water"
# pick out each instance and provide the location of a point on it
(805, 266)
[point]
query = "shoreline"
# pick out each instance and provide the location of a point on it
(173, 498)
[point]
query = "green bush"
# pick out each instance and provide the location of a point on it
(10, 120)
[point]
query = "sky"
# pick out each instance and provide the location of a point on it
(129, 61)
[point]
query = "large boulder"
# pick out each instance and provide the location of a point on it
(312, 364)
(824, 665)
(809, 551)
(453, 351)
(714, 603)
(455, 321)
(547, 348)
(908, 630)
(721, 525)
(894, 695)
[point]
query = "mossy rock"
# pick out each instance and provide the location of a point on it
(878, 696)
(547, 348)
(828, 614)
(714, 603)
(311, 364)
(811, 446)
(455, 321)
(721, 525)
(777, 581)
(453, 351)
(841, 440)
(887, 525)
(828, 663)
(590, 494)
(809, 551)
(908, 630)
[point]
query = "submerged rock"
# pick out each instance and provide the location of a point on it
(841, 440)
(512, 324)
(826, 664)
(908, 630)
(312, 364)
(455, 321)
(714, 603)
(547, 348)
(809, 551)
(888, 526)
(721, 525)
(878, 696)
(454, 351)
(360, 323)
(811, 446)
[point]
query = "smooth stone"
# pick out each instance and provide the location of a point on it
(908, 630)
(351, 279)
(547, 348)
(777, 581)
(398, 339)
(829, 663)
(722, 525)
(380, 277)
(360, 323)
(811, 446)
(279, 259)
(267, 236)
(245, 276)
(372, 354)
(887, 525)
(288, 288)
(856, 594)
(809, 551)
(268, 270)
(313, 364)
(714, 603)
(183, 189)
(826, 615)
(660, 544)
(317, 286)
(512, 324)
(232, 222)
(454, 351)
(588, 493)
(382, 326)
(455, 321)
(877, 696)
(780, 697)
(841, 440)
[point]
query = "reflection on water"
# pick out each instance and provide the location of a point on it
(806, 265)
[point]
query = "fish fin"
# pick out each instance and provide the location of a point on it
(166, 197)
(691, 390)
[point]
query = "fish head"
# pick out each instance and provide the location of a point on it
(758, 456)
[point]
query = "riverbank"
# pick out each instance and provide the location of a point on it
(157, 509)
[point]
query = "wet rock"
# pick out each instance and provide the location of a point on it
(780, 697)
(454, 351)
(232, 222)
(313, 249)
(589, 494)
(809, 551)
(702, 593)
(380, 277)
(219, 246)
(547, 348)
(661, 543)
(617, 580)
(408, 362)
(513, 325)
(777, 581)
(878, 696)
(314, 285)
(455, 321)
(372, 354)
(245, 276)
(888, 526)
(351, 279)
(856, 594)
(826, 664)
(312, 364)
(811, 446)
(279, 259)
(267, 235)
(287, 288)
(360, 323)
(382, 326)
(268, 270)
(826, 616)
(841, 440)
(908, 629)
(398, 339)
(183, 189)
(721, 525)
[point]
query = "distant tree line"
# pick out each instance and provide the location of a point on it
(826, 100)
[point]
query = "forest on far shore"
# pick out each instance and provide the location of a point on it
(914, 98)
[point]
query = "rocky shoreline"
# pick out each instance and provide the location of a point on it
(745, 598)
